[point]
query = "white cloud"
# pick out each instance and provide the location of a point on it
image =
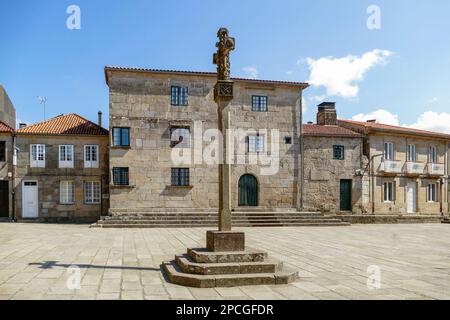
(381, 116)
(430, 120)
(433, 121)
(340, 75)
(251, 72)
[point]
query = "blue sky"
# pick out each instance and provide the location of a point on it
(406, 81)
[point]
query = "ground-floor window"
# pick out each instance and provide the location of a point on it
(388, 191)
(66, 192)
(120, 176)
(92, 192)
(432, 195)
(180, 176)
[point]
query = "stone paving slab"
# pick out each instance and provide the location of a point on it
(37, 260)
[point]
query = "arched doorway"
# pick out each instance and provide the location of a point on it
(248, 191)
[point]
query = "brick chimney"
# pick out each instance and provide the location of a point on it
(100, 118)
(326, 114)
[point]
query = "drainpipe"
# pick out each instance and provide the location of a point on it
(13, 178)
(302, 156)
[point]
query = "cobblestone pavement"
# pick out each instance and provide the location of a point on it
(414, 262)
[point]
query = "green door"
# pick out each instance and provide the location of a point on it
(248, 191)
(4, 199)
(346, 195)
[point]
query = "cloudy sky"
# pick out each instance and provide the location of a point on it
(385, 60)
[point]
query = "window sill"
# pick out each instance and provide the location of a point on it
(67, 204)
(117, 186)
(120, 147)
(91, 204)
(180, 187)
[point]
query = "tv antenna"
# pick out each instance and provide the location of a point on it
(42, 101)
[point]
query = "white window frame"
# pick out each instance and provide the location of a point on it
(89, 192)
(432, 193)
(67, 192)
(39, 160)
(388, 153)
(412, 157)
(66, 162)
(388, 192)
(88, 162)
(256, 143)
(432, 157)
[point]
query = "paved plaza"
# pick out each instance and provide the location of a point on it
(334, 263)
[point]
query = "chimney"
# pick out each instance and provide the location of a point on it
(22, 125)
(326, 115)
(100, 118)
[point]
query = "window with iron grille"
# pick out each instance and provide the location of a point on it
(338, 152)
(66, 192)
(2, 151)
(92, 192)
(120, 176)
(121, 137)
(180, 177)
(178, 96)
(180, 137)
(259, 103)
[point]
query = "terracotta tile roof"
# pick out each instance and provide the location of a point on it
(373, 126)
(65, 124)
(327, 131)
(4, 128)
(201, 73)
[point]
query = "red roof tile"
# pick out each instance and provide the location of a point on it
(327, 131)
(4, 128)
(65, 124)
(394, 129)
(212, 74)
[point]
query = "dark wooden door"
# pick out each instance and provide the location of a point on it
(4, 199)
(248, 191)
(346, 195)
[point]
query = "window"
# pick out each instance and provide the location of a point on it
(180, 137)
(432, 157)
(180, 177)
(388, 193)
(179, 96)
(338, 152)
(120, 176)
(388, 151)
(259, 103)
(255, 144)
(91, 156)
(121, 137)
(92, 192)
(37, 155)
(432, 192)
(66, 192)
(66, 156)
(2, 151)
(411, 153)
(288, 140)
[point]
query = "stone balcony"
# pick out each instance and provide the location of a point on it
(414, 168)
(435, 169)
(391, 166)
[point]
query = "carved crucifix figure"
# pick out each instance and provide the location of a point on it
(221, 58)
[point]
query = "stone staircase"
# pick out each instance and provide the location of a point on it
(192, 219)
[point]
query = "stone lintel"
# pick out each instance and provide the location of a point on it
(223, 241)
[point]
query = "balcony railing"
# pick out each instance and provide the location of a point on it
(435, 169)
(391, 166)
(414, 168)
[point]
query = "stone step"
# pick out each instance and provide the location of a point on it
(187, 265)
(177, 276)
(201, 255)
(199, 225)
(235, 221)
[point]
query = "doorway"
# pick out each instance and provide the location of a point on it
(346, 195)
(4, 199)
(248, 191)
(411, 195)
(30, 204)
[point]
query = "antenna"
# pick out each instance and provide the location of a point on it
(42, 100)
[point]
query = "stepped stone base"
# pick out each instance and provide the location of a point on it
(202, 268)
